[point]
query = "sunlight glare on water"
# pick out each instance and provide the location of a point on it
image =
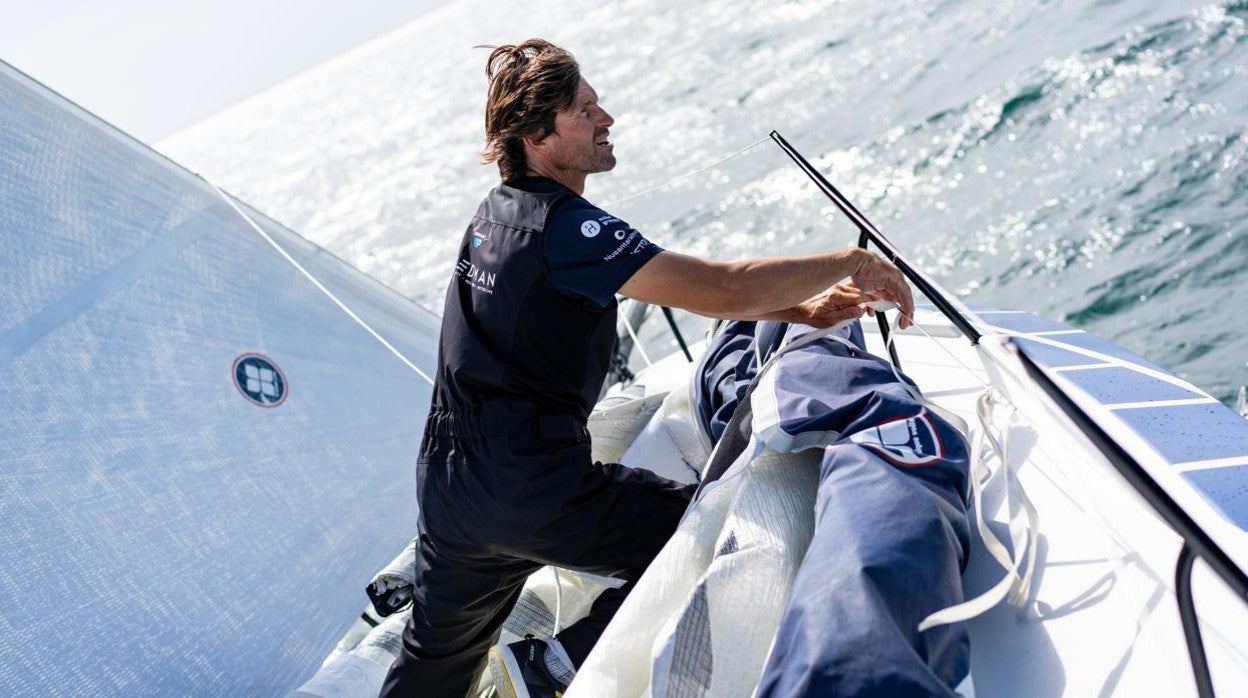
(1079, 159)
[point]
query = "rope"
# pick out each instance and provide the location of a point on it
(1015, 586)
(636, 342)
(914, 323)
(558, 601)
(314, 280)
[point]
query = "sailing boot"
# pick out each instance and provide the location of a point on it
(524, 670)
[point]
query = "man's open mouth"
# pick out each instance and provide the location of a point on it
(602, 141)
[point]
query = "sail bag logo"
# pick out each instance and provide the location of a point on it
(480, 237)
(259, 380)
(909, 442)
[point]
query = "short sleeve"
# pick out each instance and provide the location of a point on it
(591, 253)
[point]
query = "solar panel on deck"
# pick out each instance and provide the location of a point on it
(1051, 356)
(1226, 488)
(1113, 384)
(1184, 433)
(1103, 346)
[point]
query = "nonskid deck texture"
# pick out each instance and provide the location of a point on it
(1102, 618)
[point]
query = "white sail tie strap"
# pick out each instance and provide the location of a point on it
(1015, 586)
(828, 333)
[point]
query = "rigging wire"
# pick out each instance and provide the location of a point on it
(667, 312)
(350, 313)
(690, 175)
(915, 324)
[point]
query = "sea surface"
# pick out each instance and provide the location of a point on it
(1084, 160)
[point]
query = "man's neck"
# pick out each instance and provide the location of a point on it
(568, 178)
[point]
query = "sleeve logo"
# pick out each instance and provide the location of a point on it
(590, 228)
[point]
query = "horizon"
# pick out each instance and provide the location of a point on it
(153, 70)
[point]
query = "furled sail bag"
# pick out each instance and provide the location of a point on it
(703, 619)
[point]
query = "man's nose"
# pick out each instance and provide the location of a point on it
(606, 119)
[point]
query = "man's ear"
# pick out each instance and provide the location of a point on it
(534, 141)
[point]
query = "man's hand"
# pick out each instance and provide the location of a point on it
(878, 278)
(769, 288)
(841, 302)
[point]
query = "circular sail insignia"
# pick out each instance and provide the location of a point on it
(259, 380)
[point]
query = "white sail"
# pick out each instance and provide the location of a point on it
(170, 529)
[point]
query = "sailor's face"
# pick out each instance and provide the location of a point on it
(580, 141)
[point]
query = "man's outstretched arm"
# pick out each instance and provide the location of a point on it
(794, 289)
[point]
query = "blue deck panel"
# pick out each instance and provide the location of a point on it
(1104, 346)
(1181, 433)
(1226, 489)
(1114, 384)
(1051, 356)
(1185, 433)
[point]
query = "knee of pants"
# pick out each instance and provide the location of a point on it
(443, 637)
(444, 622)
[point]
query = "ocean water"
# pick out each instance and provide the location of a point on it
(1084, 160)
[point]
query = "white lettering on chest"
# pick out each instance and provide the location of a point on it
(475, 276)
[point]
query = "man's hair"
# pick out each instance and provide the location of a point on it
(529, 83)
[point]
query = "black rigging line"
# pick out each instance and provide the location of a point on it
(680, 339)
(870, 232)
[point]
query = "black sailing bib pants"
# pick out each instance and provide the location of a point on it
(505, 480)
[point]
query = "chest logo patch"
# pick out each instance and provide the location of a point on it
(590, 228)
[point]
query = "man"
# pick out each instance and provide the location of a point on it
(504, 476)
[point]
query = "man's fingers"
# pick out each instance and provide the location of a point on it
(827, 315)
(881, 280)
(876, 280)
(907, 306)
(850, 295)
(898, 291)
